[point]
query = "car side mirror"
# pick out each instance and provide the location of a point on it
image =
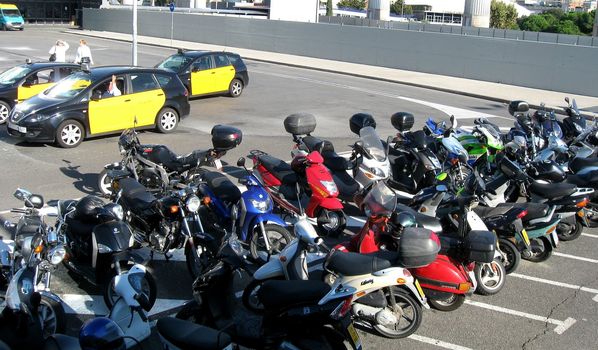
(96, 96)
(241, 162)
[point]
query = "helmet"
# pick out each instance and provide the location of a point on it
(402, 220)
(101, 333)
(86, 207)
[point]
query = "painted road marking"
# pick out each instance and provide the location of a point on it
(575, 257)
(437, 342)
(558, 284)
(83, 304)
(589, 235)
(561, 326)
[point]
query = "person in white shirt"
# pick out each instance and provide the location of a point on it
(59, 50)
(83, 53)
(113, 89)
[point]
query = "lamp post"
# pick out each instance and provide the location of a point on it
(134, 33)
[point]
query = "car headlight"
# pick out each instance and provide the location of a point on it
(38, 117)
(330, 187)
(57, 254)
(192, 203)
(261, 205)
(104, 249)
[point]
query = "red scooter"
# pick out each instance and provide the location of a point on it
(449, 278)
(305, 180)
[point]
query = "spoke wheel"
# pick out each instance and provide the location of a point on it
(407, 311)
(51, 316)
(235, 88)
(105, 183)
(567, 231)
(69, 134)
(491, 277)
(167, 120)
(331, 222)
(512, 255)
(4, 111)
(278, 238)
(453, 302)
(541, 250)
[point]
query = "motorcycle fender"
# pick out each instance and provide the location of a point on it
(113, 234)
(331, 203)
(130, 256)
(250, 225)
(272, 269)
(113, 166)
(416, 293)
(52, 296)
(444, 275)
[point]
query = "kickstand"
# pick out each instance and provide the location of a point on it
(151, 255)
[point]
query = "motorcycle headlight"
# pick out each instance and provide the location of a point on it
(192, 203)
(330, 187)
(135, 280)
(378, 172)
(261, 205)
(56, 254)
(117, 211)
(236, 246)
(104, 249)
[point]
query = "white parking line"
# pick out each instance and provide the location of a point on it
(561, 326)
(589, 235)
(437, 342)
(575, 257)
(558, 284)
(83, 304)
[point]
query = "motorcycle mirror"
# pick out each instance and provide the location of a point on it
(22, 194)
(567, 99)
(453, 122)
(241, 162)
(36, 201)
(96, 95)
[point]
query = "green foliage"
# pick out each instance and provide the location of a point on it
(400, 8)
(356, 4)
(503, 16)
(329, 8)
(557, 21)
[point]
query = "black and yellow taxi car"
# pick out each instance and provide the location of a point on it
(209, 72)
(81, 105)
(25, 80)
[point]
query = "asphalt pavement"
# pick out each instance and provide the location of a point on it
(550, 305)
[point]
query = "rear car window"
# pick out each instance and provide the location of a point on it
(163, 79)
(143, 82)
(221, 60)
(235, 60)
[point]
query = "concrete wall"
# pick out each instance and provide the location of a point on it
(558, 67)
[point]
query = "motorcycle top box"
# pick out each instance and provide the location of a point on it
(518, 107)
(480, 246)
(361, 120)
(300, 124)
(226, 137)
(402, 121)
(417, 247)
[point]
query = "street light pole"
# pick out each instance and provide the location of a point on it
(134, 32)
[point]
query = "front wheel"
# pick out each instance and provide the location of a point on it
(167, 120)
(512, 255)
(540, 250)
(406, 310)
(450, 303)
(148, 288)
(52, 316)
(490, 276)
(331, 222)
(278, 238)
(4, 111)
(568, 231)
(69, 134)
(235, 89)
(105, 183)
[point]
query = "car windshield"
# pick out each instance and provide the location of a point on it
(14, 74)
(11, 13)
(69, 86)
(175, 62)
(371, 142)
(380, 200)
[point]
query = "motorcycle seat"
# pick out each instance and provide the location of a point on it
(279, 169)
(551, 191)
(486, 212)
(331, 159)
(278, 294)
(135, 195)
(222, 187)
(187, 335)
(353, 264)
(313, 143)
(578, 164)
(347, 186)
(534, 210)
(585, 180)
(190, 160)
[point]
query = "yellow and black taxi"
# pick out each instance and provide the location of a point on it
(209, 72)
(101, 101)
(23, 81)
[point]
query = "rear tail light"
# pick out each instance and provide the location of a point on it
(342, 309)
(522, 214)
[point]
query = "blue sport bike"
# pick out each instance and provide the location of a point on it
(248, 214)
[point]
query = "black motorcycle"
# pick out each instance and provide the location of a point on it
(156, 166)
(97, 243)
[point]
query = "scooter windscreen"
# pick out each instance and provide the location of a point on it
(372, 144)
(380, 201)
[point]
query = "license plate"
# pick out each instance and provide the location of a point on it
(555, 237)
(21, 129)
(525, 237)
(419, 289)
(355, 339)
(218, 164)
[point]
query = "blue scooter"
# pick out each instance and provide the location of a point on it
(248, 214)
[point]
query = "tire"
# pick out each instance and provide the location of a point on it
(278, 237)
(451, 303)
(249, 297)
(235, 88)
(541, 250)
(4, 112)
(197, 260)
(337, 225)
(406, 301)
(105, 183)
(149, 287)
(52, 316)
(69, 134)
(512, 253)
(568, 232)
(491, 277)
(167, 120)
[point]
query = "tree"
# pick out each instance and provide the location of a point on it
(566, 26)
(356, 4)
(534, 23)
(398, 7)
(503, 16)
(329, 8)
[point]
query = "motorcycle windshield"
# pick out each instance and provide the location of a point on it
(372, 144)
(380, 200)
(551, 127)
(453, 146)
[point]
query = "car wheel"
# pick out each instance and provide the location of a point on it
(235, 89)
(167, 120)
(4, 111)
(69, 134)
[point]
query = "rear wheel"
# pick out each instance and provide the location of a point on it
(235, 89)
(569, 231)
(407, 311)
(491, 277)
(331, 222)
(278, 238)
(512, 255)
(69, 134)
(105, 183)
(450, 303)
(540, 250)
(250, 299)
(167, 120)
(148, 288)
(4, 111)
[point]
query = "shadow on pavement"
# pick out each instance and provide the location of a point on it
(85, 183)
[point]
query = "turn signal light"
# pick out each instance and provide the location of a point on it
(583, 203)
(174, 209)
(38, 249)
(522, 214)
(360, 294)
(282, 258)
(581, 214)
(464, 287)
(207, 200)
(401, 280)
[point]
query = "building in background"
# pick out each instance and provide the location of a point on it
(51, 10)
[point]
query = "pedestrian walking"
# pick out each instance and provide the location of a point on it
(83, 53)
(58, 51)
